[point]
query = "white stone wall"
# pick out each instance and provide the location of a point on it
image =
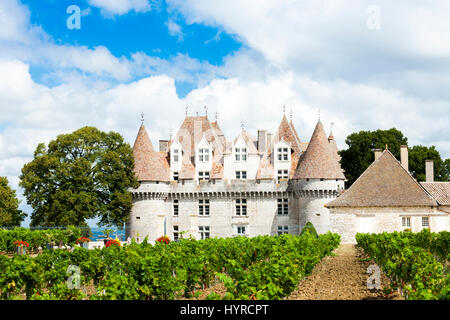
(349, 221)
(153, 204)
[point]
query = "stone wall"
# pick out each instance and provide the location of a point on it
(349, 221)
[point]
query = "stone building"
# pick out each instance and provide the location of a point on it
(386, 198)
(203, 185)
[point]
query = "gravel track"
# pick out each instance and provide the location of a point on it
(341, 276)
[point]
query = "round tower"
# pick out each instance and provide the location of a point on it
(317, 180)
(147, 217)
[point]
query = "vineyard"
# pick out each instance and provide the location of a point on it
(263, 267)
(416, 263)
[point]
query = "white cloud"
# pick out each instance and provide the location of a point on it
(175, 29)
(302, 54)
(121, 7)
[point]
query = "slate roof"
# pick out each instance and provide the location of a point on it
(319, 161)
(385, 183)
(440, 191)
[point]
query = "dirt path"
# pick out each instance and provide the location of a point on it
(341, 277)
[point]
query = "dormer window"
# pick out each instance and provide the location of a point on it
(203, 155)
(283, 154)
(176, 155)
(241, 154)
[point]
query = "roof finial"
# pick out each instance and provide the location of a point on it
(331, 128)
(187, 107)
(216, 115)
(386, 146)
(319, 114)
(206, 110)
(170, 134)
(142, 118)
(284, 109)
(242, 125)
(290, 114)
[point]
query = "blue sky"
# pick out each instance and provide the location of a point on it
(366, 64)
(135, 32)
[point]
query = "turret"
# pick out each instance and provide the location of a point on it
(318, 178)
(153, 173)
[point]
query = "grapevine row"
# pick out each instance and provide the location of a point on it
(259, 267)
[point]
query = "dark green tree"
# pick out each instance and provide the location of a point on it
(10, 215)
(359, 155)
(79, 176)
(418, 155)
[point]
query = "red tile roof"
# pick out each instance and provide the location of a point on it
(319, 161)
(149, 165)
(440, 191)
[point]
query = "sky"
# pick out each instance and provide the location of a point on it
(362, 65)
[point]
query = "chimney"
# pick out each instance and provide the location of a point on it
(164, 145)
(269, 138)
(404, 157)
(262, 141)
(429, 170)
(378, 153)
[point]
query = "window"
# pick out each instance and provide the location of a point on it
(406, 222)
(282, 230)
(175, 176)
(241, 230)
(175, 207)
(203, 155)
(203, 207)
(282, 174)
(203, 175)
(241, 207)
(425, 221)
(241, 175)
(283, 154)
(283, 207)
(176, 155)
(204, 232)
(176, 234)
(241, 154)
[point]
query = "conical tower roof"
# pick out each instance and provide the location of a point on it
(334, 146)
(149, 165)
(385, 183)
(319, 160)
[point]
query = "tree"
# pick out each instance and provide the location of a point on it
(357, 158)
(418, 155)
(10, 215)
(79, 176)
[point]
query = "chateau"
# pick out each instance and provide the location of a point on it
(199, 184)
(203, 185)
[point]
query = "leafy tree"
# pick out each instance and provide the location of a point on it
(10, 215)
(446, 168)
(418, 155)
(309, 228)
(357, 158)
(79, 176)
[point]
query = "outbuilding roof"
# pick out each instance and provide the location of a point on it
(385, 183)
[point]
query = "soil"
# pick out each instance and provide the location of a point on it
(342, 276)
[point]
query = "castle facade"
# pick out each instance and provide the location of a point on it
(202, 185)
